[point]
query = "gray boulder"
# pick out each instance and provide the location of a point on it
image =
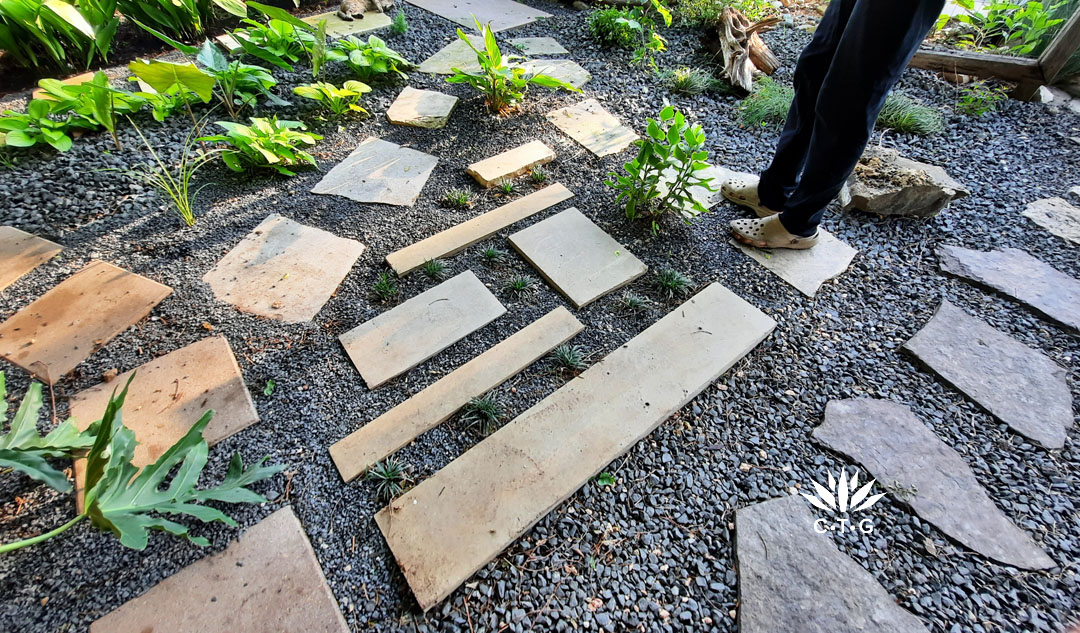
(886, 183)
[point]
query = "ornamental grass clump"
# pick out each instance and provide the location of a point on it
(174, 182)
(767, 104)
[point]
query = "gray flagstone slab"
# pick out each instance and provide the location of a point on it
(336, 27)
(1057, 216)
(565, 69)
(538, 46)
(591, 125)
(379, 171)
(805, 269)
(501, 14)
(421, 108)
(456, 54)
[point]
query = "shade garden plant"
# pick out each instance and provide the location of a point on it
(267, 143)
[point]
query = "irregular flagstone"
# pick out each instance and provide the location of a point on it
(434, 405)
(461, 236)
(1057, 216)
(21, 252)
(421, 108)
(1013, 272)
(455, 522)
(283, 270)
(266, 580)
(379, 171)
(511, 163)
(565, 69)
(336, 27)
(808, 269)
(594, 127)
(456, 54)
(897, 448)
(398, 340)
(1018, 385)
(501, 14)
(792, 578)
(538, 46)
(63, 327)
(577, 256)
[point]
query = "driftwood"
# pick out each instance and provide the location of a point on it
(740, 49)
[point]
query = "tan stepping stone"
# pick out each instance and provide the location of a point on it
(511, 163)
(808, 269)
(434, 405)
(538, 46)
(336, 27)
(63, 327)
(21, 252)
(398, 340)
(461, 236)
(81, 78)
(456, 54)
(1057, 216)
(421, 108)
(266, 580)
(445, 529)
(379, 171)
(283, 270)
(500, 14)
(229, 42)
(594, 127)
(577, 256)
(565, 69)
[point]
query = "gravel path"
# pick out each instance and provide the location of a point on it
(654, 551)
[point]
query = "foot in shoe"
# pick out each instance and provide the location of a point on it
(770, 233)
(743, 191)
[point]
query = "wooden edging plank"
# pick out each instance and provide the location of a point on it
(1015, 69)
(1061, 48)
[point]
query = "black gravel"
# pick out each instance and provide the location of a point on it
(654, 551)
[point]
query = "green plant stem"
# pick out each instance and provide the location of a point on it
(11, 547)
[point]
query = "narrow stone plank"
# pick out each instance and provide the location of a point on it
(500, 14)
(434, 405)
(456, 54)
(379, 171)
(592, 126)
(538, 46)
(67, 324)
(1057, 216)
(454, 523)
(266, 580)
(21, 252)
(459, 237)
(283, 270)
(577, 257)
(792, 578)
(511, 163)
(336, 27)
(1018, 385)
(421, 108)
(565, 69)
(81, 78)
(806, 270)
(398, 340)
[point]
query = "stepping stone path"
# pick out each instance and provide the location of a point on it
(565, 69)
(267, 580)
(21, 252)
(1018, 385)
(434, 405)
(456, 54)
(62, 328)
(398, 340)
(421, 108)
(577, 256)
(1057, 216)
(896, 447)
(501, 14)
(379, 171)
(336, 27)
(591, 125)
(511, 163)
(283, 270)
(1013, 272)
(806, 269)
(459, 237)
(886, 183)
(538, 46)
(792, 578)
(452, 524)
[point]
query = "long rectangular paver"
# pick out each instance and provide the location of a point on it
(451, 525)
(398, 340)
(500, 14)
(21, 252)
(459, 237)
(435, 404)
(511, 163)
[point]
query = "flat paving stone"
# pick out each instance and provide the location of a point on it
(461, 236)
(267, 580)
(592, 126)
(565, 69)
(63, 327)
(896, 447)
(456, 54)
(511, 163)
(283, 270)
(379, 171)
(808, 269)
(577, 256)
(421, 108)
(1018, 385)
(1057, 216)
(793, 579)
(336, 27)
(21, 252)
(1014, 273)
(76, 80)
(229, 42)
(434, 405)
(452, 524)
(501, 14)
(401, 338)
(538, 46)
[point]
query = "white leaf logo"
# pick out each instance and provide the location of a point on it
(838, 496)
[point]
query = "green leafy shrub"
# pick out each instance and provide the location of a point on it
(705, 13)
(38, 125)
(281, 41)
(767, 104)
(978, 98)
(185, 19)
(485, 413)
(371, 60)
(389, 477)
(902, 114)
(94, 101)
(338, 101)
(266, 143)
(174, 183)
(238, 85)
(689, 81)
(62, 35)
(1019, 28)
(611, 26)
(633, 28)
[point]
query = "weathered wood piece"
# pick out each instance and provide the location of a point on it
(511, 163)
(21, 252)
(1006, 67)
(738, 44)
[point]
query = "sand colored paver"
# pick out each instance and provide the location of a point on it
(67, 324)
(398, 340)
(267, 580)
(511, 163)
(283, 270)
(538, 46)
(456, 54)
(1057, 216)
(565, 69)
(594, 127)
(501, 14)
(421, 108)
(434, 405)
(379, 171)
(336, 27)
(459, 237)
(455, 522)
(808, 269)
(21, 252)
(229, 42)
(577, 256)
(81, 78)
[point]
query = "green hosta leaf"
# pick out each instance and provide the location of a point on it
(235, 7)
(212, 57)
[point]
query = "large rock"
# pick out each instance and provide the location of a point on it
(889, 184)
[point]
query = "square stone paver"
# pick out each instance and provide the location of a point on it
(67, 324)
(594, 127)
(283, 270)
(421, 108)
(565, 69)
(336, 27)
(577, 257)
(511, 163)
(1057, 216)
(805, 269)
(538, 46)
(501, 14)
(379, 171)
(456, 54)
(21, 252)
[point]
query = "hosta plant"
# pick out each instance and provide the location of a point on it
(338, 101)
(371, 60)
(266, 143)
(282, 40)
(94, 101)
(40, 124)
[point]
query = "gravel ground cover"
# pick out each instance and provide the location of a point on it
(654, 550)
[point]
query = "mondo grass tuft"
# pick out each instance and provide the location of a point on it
(672, 284)
(521, 286)
(494, 255)
(435, 269)
(903, 114)
(569, 357)
(386, 287)
(768, 104)
(389, 477)
(506, 186)
(635, 303)
(485, 413)
(539, 175)
(456, 198)
(689, 81)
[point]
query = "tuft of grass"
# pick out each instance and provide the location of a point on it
(435, 269)
(569, 357)
(689, 81)
(506, 186)
(522, 285)
(385, 288)
(673, 284)
(903, 114)
(630, 302)
(493, 255)
(485, 413)
(539, 175)
(400, 26)
(389, 477)
(456, 198)
(767, 104)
